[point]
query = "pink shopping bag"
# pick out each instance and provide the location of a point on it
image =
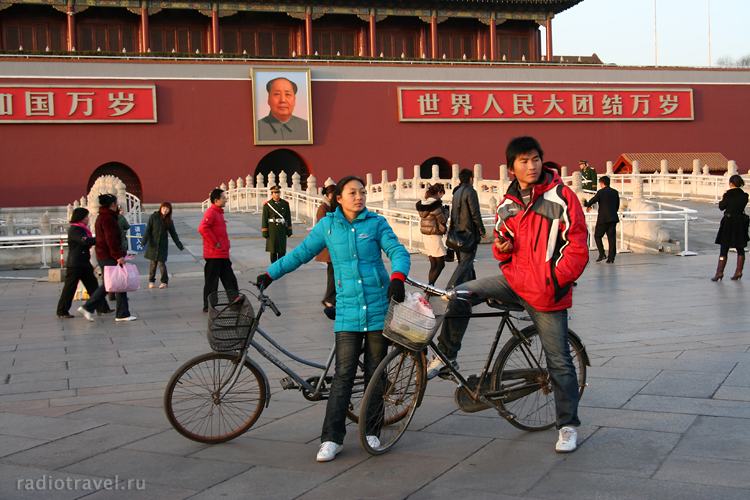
(121, 278)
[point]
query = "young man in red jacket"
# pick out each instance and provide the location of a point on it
(213, 228)
(541, 243)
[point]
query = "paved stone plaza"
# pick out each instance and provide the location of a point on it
(666, 414)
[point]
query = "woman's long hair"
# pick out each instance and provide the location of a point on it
(434, 189)
(166, 220)
(329, 193)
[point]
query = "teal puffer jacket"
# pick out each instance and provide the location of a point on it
(361, 278)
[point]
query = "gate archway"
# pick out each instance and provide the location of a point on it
(284, 160)
(444, 168)
(122, 172)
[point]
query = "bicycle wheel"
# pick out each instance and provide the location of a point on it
(529, 391)
(191, 405)
(391, 398)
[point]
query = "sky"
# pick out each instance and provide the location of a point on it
(622, 31)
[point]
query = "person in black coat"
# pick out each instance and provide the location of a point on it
(734, 225)
(465, 216)
(79, 268)
(607, 219)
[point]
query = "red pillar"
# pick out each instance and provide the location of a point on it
(71, 27)
(145, 38)
(215, 29)
(373, 39)
(422, 42)
(433, 36)
(493, 40)
(308, 32)
(549, 39)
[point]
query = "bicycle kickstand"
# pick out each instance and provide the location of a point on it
(503, 413)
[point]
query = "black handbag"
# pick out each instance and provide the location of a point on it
(461, 241)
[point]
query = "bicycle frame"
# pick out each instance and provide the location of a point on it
(243, 357)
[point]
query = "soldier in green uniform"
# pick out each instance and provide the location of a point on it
(588, 175)
(277, 224)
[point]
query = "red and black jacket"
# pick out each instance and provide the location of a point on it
(550, 242)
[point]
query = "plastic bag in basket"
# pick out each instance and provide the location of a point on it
(413, 318)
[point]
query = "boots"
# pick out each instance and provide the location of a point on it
(720, 269)
(740, 265)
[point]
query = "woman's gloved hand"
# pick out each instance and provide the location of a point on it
(264, 280)
(396, 290)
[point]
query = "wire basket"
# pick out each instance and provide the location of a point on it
(410, 328)
(230, 320)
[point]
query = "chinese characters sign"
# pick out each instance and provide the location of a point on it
(84, 104)
(553, 104)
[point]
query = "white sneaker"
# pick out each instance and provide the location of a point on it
(373, 441)
(328, 451)
(436, 366)
(86, 314)
(568, 440)
(129, 318)
(151, 285)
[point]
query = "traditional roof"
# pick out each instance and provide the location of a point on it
(519, 6)
(651, 162)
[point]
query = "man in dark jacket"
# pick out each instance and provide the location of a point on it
(213, 228)
(541, 243)
(465, 216)
(607, 219)
(109, 252)
(276, 224)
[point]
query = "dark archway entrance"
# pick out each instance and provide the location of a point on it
(122, 172)
(444, 168)
(284, 160)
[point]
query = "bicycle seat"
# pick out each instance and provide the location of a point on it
(504, 306)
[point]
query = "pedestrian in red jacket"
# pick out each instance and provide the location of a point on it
(213, 228)
(541, 243)
(109, 252)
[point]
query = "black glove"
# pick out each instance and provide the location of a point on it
(396, 290)
(264, 280)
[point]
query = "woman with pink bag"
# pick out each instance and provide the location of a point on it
(109, 252)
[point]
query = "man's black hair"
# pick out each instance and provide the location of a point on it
(215, 195)
(268, 85)
(519, 146)
(465, 176)
(604, 180)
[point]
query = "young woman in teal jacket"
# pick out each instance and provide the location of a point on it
(355, 238)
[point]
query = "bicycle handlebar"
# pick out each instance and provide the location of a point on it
(265, 299)
(445, 294)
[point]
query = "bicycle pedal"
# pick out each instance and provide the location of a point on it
(288, 383)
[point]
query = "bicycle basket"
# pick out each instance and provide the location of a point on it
(230, 320)
(410, 328)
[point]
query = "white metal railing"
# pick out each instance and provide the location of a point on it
(133, 209)
(41, 241)
(664, 212)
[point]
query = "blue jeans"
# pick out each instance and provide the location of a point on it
(348, 348)
(553, 332)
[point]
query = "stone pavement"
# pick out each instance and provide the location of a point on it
(666, 414)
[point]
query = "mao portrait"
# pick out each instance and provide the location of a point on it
(283, 109)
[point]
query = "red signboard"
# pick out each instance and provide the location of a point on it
(443, 104)
(77, 104)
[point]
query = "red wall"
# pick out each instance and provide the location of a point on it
(204, 137)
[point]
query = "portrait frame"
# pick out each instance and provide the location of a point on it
(265, 125)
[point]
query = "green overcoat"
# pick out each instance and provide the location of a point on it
(589, 179)
(276, 230)
(155, 239)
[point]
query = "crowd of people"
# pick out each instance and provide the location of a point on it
(540, 238)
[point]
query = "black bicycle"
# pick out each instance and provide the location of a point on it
(517, 385)
(218, 396)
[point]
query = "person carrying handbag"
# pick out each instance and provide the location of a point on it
(466, 228)
(109, 252)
